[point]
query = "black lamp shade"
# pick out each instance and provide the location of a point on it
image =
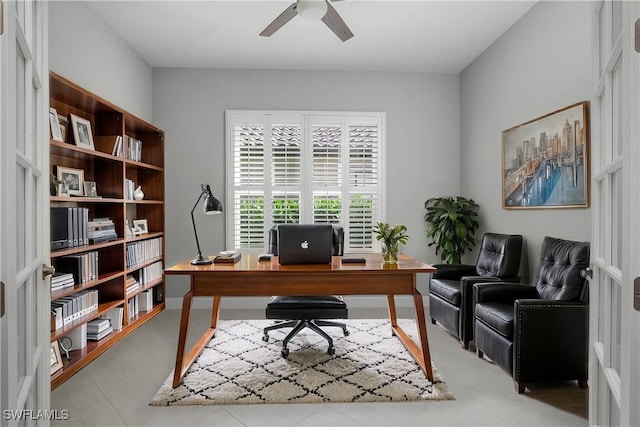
(212, 206)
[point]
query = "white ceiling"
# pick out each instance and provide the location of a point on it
(391, 35)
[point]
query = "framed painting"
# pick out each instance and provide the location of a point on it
(545, 161)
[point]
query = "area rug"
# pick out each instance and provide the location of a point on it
(369, 365)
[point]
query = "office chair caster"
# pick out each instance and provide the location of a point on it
(265, 338)
(345, 332)
(331, 351)
(285, 352)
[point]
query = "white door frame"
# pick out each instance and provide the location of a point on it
(24, 226)
(614, 371)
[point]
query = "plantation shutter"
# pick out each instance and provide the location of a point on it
(327, 173)
(364, 183)
(286, 173)
(292, 167)
(249, 192)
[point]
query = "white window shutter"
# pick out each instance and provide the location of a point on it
(287, 167)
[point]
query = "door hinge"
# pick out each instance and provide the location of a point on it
(637, 35)
(1, 299)
(636, 294)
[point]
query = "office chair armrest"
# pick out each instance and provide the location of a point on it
(453, 271)
(504, 292)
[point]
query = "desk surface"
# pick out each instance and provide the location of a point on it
(249, 263)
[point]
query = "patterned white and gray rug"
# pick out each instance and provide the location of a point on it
(369, 365)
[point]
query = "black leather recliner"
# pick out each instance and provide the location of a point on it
(539, 333)
(450, 288)
(299, 312)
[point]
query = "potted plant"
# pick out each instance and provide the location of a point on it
(391, 237)
(451, 225)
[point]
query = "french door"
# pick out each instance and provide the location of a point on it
(614, 364)
(24, 231)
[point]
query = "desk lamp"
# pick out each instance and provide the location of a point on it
(212, 206)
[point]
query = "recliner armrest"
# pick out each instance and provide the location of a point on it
(551, 340)
(453, 271)
(502, 292)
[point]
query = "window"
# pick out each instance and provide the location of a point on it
(298, 167)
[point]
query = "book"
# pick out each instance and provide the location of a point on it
(231, 258)
(98, 325)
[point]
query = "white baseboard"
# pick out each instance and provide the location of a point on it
(261, 302)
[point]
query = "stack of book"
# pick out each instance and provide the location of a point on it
(132, 303)
(132, 148)
(101, 230)
(84, 267)
(61, 280)
(131, 284)
(98, 329)
(114, 316)
(141, 252)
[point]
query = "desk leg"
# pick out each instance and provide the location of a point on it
(420, 353)
(182, 337)
(392, 311)
(184, 362)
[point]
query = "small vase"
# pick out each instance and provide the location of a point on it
(390, 253)
(138, 194)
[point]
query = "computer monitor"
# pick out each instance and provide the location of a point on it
(305, 243)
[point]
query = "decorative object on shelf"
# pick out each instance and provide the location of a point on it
(140, 227)
(54, 184)
(552, 171)
(90, 189)
(56, 132)
(391, 238)
(451, 225)
(138, 194)
(63, 122)
(66, 344)
(56, 359)
(82, 135)
(72, 178)
(211, 206)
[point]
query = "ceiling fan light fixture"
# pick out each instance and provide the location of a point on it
(312, 10)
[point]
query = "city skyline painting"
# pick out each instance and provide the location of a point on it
(545, 161)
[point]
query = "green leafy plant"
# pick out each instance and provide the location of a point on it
(391, 237)
(451, 225)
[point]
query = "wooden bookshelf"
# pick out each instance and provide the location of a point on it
(110, 173)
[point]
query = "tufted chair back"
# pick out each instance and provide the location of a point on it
(499, 255)
(338, 240)
(559, 275)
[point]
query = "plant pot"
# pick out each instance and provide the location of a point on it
(390, 253)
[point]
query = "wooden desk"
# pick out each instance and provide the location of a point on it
(248, 277)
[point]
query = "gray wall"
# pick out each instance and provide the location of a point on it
(541, 64)
(84, 49)
(422, 139)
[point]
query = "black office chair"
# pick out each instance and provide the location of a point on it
(299, 312)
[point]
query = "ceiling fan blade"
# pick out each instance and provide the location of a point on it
(286, 16)
(336, 24)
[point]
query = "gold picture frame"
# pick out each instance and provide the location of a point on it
(545, 161)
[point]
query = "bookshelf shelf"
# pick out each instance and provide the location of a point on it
(105, 263)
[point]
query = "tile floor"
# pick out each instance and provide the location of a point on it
(116, 388)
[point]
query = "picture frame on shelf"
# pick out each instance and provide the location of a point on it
(140, 227)
(72, 178)
(56, 132)
(63, 122)
(90, 189)
(545, 161)
(82, 135)
(56, 358)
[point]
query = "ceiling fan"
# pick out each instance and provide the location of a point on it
(311, 10)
